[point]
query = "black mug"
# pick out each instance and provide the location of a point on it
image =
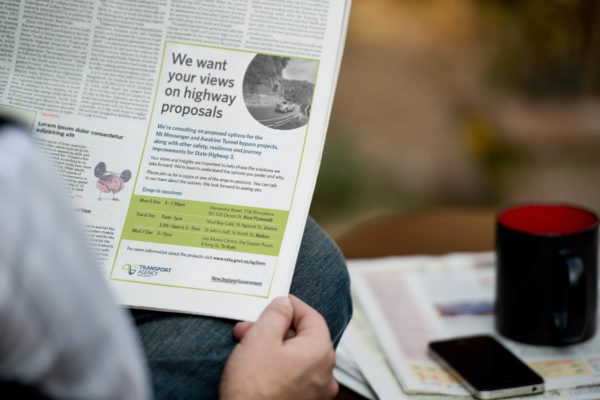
(546, 285)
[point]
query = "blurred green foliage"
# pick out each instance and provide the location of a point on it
(524, 118)
(340, 179)
(539, 45)
(495, 156)
(348, 185)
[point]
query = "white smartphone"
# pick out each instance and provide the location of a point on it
(486, 368)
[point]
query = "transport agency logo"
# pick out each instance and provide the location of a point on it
(146, 271)
(131, 270)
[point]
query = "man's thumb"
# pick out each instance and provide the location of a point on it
(276, 319)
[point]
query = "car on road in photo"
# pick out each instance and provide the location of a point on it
(284, 106)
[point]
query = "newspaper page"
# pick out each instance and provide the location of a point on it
(347, 373)
(189, 134)
(410, 301)
(360, 342)
(360, 339)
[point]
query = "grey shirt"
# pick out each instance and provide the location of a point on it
(59, 327)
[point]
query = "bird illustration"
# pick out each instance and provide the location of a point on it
(109, 181)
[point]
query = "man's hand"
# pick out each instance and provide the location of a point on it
(286, 354)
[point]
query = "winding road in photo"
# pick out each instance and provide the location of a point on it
(267, 116)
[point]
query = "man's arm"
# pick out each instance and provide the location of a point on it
(60, 330)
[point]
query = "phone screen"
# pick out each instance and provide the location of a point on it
(485, 364)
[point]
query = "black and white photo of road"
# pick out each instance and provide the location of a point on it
(278, 90)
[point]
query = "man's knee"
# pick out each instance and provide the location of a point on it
(321, 279)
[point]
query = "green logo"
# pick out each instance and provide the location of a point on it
(129, 268)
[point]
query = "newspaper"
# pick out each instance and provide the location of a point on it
(360, 341)
(189, 134)
(362, 345)
(409, 301)
(348, 373)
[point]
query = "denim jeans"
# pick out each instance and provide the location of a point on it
(186, 354)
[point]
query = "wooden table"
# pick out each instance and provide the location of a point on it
(434, 233)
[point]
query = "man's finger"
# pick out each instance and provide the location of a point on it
(307, 320)
(274, 322)
(333, 389)
(290, 334)
(240, 329)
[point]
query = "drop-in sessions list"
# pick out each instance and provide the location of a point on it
(205, 225)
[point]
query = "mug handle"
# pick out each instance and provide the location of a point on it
(570, 324)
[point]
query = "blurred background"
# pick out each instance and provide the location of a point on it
(471, 103)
